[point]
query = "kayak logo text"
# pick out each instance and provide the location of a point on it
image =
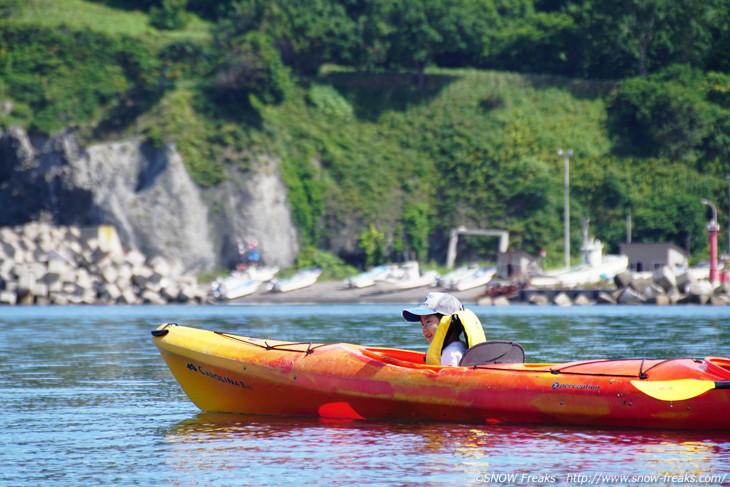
(578, 387)
(219, 378)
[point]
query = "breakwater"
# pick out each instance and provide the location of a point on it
(663, 286)
(44, 264)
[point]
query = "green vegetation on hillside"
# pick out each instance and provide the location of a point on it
(93, 16)
(394, 121)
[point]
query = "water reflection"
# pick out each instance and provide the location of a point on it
(453, 452)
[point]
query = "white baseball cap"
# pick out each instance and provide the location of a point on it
(440, 303)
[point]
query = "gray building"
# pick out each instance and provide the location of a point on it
(515, 264)
(646, 257)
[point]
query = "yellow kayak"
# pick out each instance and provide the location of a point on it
(223, 372)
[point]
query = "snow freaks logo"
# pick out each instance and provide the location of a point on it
(219, 378)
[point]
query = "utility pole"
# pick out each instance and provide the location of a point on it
(728, 214)
(712, 228)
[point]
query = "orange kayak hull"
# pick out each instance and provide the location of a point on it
(229, 373)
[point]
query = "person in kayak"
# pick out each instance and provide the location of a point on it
(443, 335)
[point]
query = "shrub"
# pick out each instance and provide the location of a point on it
(332, 266)
(170, 15)
(328, 100)
(253, 66)
(660, 116)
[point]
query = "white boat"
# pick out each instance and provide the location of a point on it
(243, 283)
(299, 280)
(479, 278)
(449, 279)
(241, 288)
(263, 274)
(369, 278)
(595, 267)
(583, 274)
(408, 276)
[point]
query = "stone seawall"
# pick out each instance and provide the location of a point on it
(44, 264)
(660, 287)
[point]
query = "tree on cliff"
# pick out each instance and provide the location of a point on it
(637, 37)
(250, 65)
(416, 32)
(678, 113)
(307, 33)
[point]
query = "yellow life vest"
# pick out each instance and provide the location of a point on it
(472, 329)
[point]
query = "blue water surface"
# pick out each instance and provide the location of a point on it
(87, 400)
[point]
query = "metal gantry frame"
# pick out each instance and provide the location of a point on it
(454, 240)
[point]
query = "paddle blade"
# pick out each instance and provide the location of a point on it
(674, 390)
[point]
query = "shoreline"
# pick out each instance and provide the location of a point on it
(337, 292)
(333, 292)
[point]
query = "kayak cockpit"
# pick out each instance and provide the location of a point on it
(485, 353)
(402, 358)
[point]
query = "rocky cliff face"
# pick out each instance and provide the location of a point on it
(148, 196)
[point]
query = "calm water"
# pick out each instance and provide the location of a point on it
(87, 400)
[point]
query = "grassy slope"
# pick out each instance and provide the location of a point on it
(394, 148)
(480, 122)
(79, 14)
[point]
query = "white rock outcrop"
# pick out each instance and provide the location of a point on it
(147, 194)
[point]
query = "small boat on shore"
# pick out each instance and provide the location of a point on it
(450, 278)
(370, 277)
(478, 278)
(407, 276)
(243, 283)
(594, 267)
(240, 288)
(223, 372)
(300, 280)
(581, 275)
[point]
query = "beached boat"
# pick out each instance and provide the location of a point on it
(223, 372)
(300, 280)
(479, 278)
(407, 276)
(240, 288)
(370, 277)
(594, 267)
(583, 274)
(450, 278)
(263, 274)
(243, 283)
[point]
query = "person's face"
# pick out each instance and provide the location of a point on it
(429, 323)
